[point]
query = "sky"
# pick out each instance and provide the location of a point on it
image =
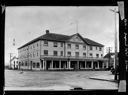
(25, 23)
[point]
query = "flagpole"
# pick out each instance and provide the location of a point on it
(76, 26)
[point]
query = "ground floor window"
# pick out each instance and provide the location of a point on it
(100, 64)
(34, 65)
(88, 64)
(38, 65)
(55, 64)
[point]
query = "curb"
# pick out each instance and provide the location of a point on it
(104, 80)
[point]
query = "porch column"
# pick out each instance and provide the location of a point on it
(69, 63)
(40, 66)
(98, 64)
(92, 64)
(52, 64)
(44, 65)
(103, 64)
(59, 64)
(85, 64)
(78, 65)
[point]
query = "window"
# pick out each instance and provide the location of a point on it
(97, 55)
(77, 54)
(69, 53)
(33, 46)
(33, 54)
(96, 48)
(84, 54)
(45, 52)
(37, 44)
(55, 44)
(100, 48)
(45, 43)
(61, 44)
(34, 65)
(55, 53)
(77, 46)
(101, 55)
(37, 53)
(84, 47)
(61, 53)
(26, 64)
(90, 54)
(38, 65)
(69, 45)
(90, 47)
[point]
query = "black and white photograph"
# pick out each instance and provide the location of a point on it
(60, 48)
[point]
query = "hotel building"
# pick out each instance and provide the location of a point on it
(61, 52)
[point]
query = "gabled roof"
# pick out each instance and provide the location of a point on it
(61, 38)
(111, 54)
(93, 43)
(14, 58)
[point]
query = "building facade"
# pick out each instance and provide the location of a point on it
(61, 52)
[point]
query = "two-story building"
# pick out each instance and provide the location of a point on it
(14, 63)
(61, 52)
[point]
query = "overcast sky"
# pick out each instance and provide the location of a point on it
(26, 23)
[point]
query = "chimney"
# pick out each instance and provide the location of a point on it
(47, 31)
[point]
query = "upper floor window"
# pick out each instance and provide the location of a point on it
(84, 54)
(84, 47)
(97, 55)
(69, 45)
(55, 44)
(37, 44)
(77, 54)
(45, 52)
(45, 43)
(61, 53)
(101, 55)
(69, 53)
(33, 54)
(90, 47)
(90, 54)
(55, 53)
(96, 48)
(37, 53)
(61, 44)
(77, 46)
(100, 48)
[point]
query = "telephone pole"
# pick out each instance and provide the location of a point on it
(10, 59)
(76, 26)
(109, 56)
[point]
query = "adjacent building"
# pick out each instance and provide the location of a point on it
(61, 52)
(111, 59)
(14, 63)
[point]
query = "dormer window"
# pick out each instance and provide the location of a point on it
(69, 45)
(45, 43)
(77, 46)
(84, 47)
(55, 44)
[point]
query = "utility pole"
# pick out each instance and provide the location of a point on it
(10, 59)
(109, 56)
(115, 43)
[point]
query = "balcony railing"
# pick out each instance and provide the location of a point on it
(72, 57)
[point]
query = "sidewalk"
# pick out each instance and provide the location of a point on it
(105, 77)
